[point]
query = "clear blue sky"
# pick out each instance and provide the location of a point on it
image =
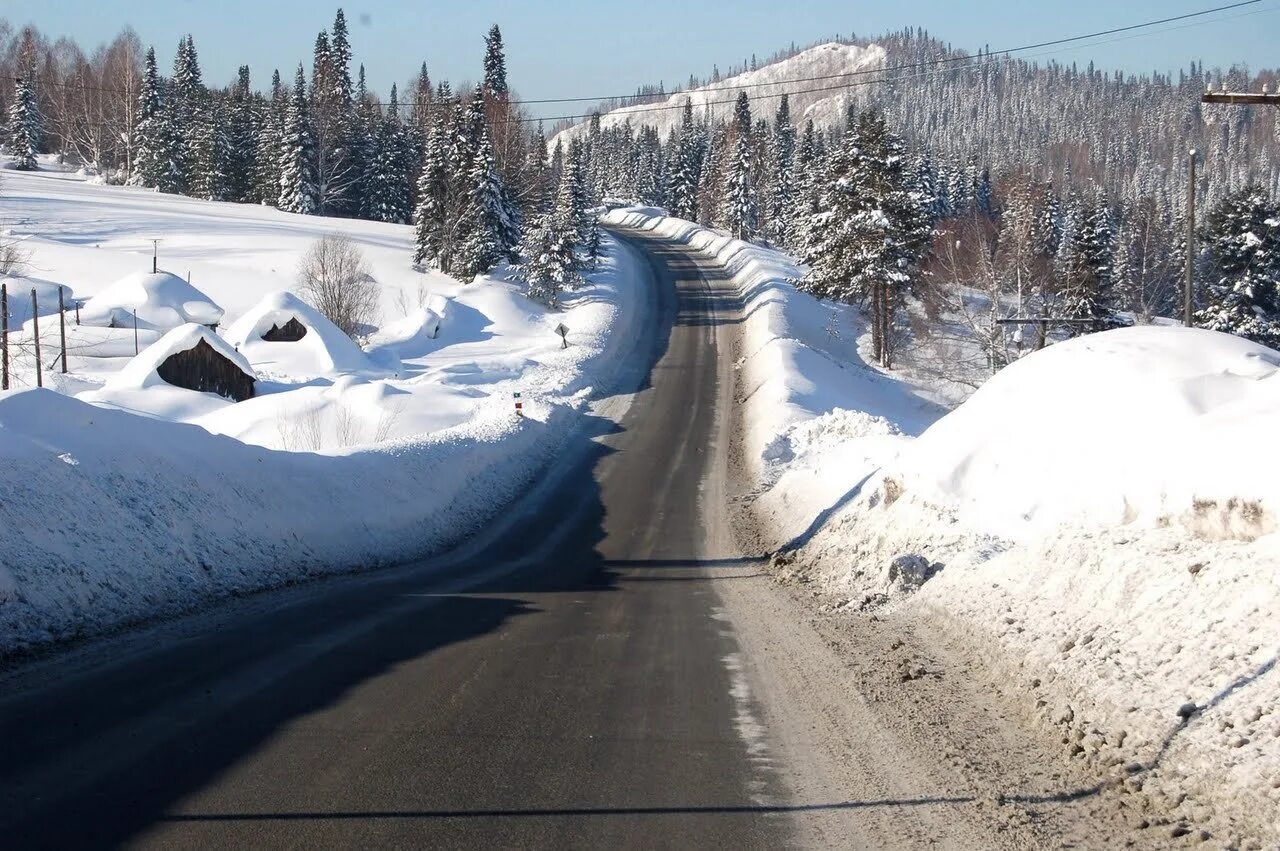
(589, 47)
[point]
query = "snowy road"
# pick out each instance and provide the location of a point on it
(603, 669)
(586, 695)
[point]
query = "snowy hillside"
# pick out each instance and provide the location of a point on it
(123, 496)
(1098, 524)
(826, 108)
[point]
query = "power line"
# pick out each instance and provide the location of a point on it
(926, 63)
(886, 75)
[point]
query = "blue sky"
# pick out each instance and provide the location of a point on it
(585, 48)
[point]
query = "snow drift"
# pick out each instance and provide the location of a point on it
(142, 371)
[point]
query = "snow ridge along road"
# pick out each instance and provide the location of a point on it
(606, 669)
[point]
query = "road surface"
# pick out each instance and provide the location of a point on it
(601, 669)
(582, 698)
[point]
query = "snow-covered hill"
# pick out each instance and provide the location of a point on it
(763, 87)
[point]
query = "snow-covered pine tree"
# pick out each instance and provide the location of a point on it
(25, 127)
(551, 260)
(739, 215)
(869, 232)
(429, 217)
(387, 191)
(298, 188)
(266, 180)
(490, 231)
(148, 144)
(781, 199)
(187, 101)
(684, 176)
(1243, 247)
(495, 65)
(1088, 273)
(244, 117)
(208, 151)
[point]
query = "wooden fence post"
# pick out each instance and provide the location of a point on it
(35, 326)
(62, 328)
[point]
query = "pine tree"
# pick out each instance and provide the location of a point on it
(298, 188)
(1243, 242)
(490, 230)
(782, 199)
(740, 208)
(387, 191)
(242, 131)
(149, 154)
(433, 198)
(495, 65)
(208, 151)
(189, 99)
(1089, 252)
(25, 126)
(266, 181)
(869, 232)
(685, 174)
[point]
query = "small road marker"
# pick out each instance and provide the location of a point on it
(519, 404)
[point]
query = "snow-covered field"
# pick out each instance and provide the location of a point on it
(122, 497)
(1099, 522)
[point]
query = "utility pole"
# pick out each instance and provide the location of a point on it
(1189, 290)
(1266, 98)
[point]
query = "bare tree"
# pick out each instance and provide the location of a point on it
(334, 277)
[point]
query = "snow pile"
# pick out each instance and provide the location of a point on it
(323, 348)
(19, 297)
(1097, 525)
(1134, 425)
(764, 86)
(162, 301)
(415, 335)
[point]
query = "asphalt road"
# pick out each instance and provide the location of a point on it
(564, 683)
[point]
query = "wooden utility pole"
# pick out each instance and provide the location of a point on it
(35, 326)
(62, 328)
(1189, 289)
(4, 336)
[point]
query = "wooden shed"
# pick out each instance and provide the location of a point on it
(206, 370)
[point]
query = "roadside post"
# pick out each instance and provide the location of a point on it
(563, 331)
(519, 404)
(62, 328)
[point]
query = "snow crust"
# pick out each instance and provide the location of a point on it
(1099, 523)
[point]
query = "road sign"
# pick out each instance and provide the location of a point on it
(563, 331)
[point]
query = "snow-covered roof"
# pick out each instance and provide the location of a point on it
(162, 300)
(324, 348)
(142, 371)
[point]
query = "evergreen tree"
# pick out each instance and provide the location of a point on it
(1243, 246)
(188, 100)
(433, 198)
(740, 209)
(387, 191)
(685, 174)
(208, 151)
(242, 131)
(490, 232)
(25, 126)
(266, 181)
(298, 188)
(149, 153)
(495, 65)
(782, 198)
(869, 232)
(1089, 252)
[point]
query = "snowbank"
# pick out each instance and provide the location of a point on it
(1135, 425)
(414, 336)
(1097, 525)
(323, 349)
(162, 301)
